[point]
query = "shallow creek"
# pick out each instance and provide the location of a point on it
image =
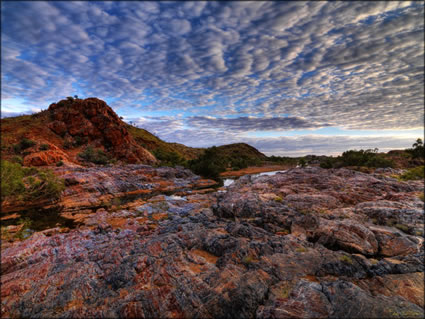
(229, 181)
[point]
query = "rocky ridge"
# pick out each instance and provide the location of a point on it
(94, 120)
(305, 243)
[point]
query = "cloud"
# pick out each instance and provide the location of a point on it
(244, 124)
(253, 65)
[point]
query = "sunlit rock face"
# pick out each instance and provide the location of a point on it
(93, 119)
(305, 243)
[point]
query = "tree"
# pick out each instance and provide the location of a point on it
(418, 149)
(418, 143)
(209, 165)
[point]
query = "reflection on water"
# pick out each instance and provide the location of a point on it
(229, 181)
(37, 219)
(175, 197)
(268, 173)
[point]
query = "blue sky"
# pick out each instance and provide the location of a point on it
(290, 78)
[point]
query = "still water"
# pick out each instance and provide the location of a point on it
(229, 181)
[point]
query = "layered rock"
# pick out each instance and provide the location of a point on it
(94, 120)
(44, 158)
(94, 187)
(250, 252)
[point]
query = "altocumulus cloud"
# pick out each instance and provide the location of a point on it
(228, 68)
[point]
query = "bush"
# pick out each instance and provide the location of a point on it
(417, 150)
(23, 144)
(28, 184)
(413, 174)
(379, 161)
(12, 176)
(169, 158)
(369, 158)
(17, 159)
(67, 144)
(327, 163)
(60, 163)
(44, 147)
(209, 164)
(96, 156)
(80, 140)
(356, 158)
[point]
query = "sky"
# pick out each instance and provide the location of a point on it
(289, 78)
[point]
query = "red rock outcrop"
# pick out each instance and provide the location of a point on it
(248, 252)
(94, 120)
(43, 158)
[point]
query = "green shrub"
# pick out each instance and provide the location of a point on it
(28, 184)
(209, 164)
(327, 163)
(43, 147)
(60, 163)
(169, 158)
(12, 176)
(17, 159)
(67, 144)
(96, 156)
(80, 140)
(368, 158)
(413, 174)
(23, 144)
(379, 161)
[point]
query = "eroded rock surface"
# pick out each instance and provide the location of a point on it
(94, 120)
(301, 244)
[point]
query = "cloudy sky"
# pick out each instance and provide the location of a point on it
(290, 78)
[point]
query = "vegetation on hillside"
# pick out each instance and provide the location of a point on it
(368, 158)
(284, 160)
(208, 165)
(28, 184)
(23, 145)
(166, 151)
(216, 160)
(94, 155)
(415, 173)
(169, 158)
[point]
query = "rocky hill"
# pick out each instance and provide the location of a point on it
(66, 128)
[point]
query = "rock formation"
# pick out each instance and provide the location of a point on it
(92, 119)
(306, 243)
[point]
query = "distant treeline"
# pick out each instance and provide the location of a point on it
(371, 158)
(215, 160)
